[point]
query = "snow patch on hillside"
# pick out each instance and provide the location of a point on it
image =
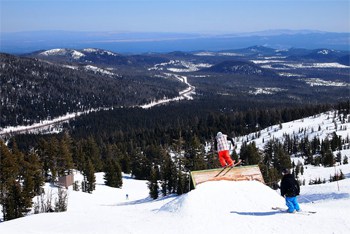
(318, 65)
(321, 82)
(98, 51)
(62, 52)
(322, 125)
(324, 52)
(98, 70)
(179, 66)
(267, 91)
(77, 55)
(54, 52)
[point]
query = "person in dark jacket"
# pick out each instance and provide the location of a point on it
(290, 189)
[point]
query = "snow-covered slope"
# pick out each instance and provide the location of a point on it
(63, 52)
(321, 126)
(213, 207)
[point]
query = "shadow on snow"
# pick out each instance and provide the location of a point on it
(267, 213)
(145, 200)
(310, 198)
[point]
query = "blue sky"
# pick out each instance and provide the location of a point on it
(199, 16)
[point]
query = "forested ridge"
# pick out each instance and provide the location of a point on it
(47, 84)
(33, 90)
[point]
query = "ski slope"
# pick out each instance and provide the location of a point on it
(322, 126)
(213, 207)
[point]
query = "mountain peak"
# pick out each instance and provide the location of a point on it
(75, 54)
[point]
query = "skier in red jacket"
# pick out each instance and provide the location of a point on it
(222, 146)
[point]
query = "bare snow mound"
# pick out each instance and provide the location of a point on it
(226, 196)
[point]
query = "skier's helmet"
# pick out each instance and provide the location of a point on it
(219, 134)
(285, 171)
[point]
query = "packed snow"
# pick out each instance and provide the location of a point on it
(213, 207)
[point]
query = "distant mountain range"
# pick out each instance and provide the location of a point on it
(95, 56)
(129, 42)
(109, 58)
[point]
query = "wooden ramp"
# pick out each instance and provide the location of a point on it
(239, 173)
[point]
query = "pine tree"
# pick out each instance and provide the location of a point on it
(30, 176)
(140, 166)
(8, 173)
(35, 171)
(168, 175)
(297, 170)
(302, 170)
(113, 174)
(195, 155)
(335, 142)
(328, 158)
(315, 145)
(16, 182)
(43, 156)
(270, 175)
(64, 156)
(11, 190)
(125, 163)
(153, 183)
(14, 204)
(89, 177)
(52, 155)
(92, 150)
(281, 158)
(250, 154)
(182, 184)
(338, 157)
(79, 155)
(268, 153)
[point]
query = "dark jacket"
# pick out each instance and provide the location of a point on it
(289, 186)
